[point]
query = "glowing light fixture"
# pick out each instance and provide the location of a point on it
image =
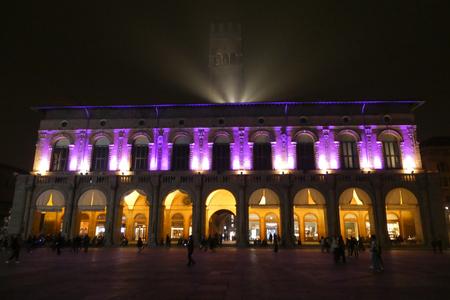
(263, 198)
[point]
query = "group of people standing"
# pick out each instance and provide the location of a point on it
(337, 246)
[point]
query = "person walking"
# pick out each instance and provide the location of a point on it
(15, 247)
(275, 243)
(140, 245)
(190, 250)
(375, 249)
(86, 243)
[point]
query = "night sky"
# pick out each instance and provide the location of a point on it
(158, 53)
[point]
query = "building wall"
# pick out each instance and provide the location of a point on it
(200, 125)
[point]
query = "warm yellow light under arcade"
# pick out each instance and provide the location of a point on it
(220, 199)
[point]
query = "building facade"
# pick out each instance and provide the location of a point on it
(243, 171)
(436, 158)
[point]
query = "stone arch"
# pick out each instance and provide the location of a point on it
(407, 229)
(177, 201)
(356, 201)
(92, 202)
(48, 216)
(264, 201)
(182, 137)
(140, 133)
(262, 136)
(389, 132)
(309, 201)
(307, 133)
(60, 136)
(214, 134)
(345, 133)
(303, 197)
(99, 135)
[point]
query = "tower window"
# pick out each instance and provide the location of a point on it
(305, 153)
(60, 156)
(221, 154)
(100, 155)
(139, 154)
(180, 154)
(262, 154)
(349, 152)
(391, 152)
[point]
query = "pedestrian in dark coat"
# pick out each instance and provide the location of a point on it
(190, 249)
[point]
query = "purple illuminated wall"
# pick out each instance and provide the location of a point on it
(283, 149)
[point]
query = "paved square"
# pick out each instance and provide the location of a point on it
(122, 273)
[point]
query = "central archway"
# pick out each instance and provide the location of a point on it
(356, 215)
(135, 215)
(309, 215)
(403, 217)
(222, 226)
(92, 213)
(49, 215)
(221, 216)
(177, 215)
(264, 215)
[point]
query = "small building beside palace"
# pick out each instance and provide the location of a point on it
(240, 171)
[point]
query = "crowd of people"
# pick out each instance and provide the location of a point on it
(339, 248)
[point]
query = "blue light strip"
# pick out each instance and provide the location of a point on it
(365, 102)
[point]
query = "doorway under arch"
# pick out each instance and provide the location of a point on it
(92, 213)
(48, 218)
(309, 215)
(222, 226)
(177, 215)
(355, 213)
(264, 203)
(135, 211)
(403, 217)
(220, 215)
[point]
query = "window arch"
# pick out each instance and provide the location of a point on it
(100, 154)
(181, 153)
(139, 154)
(391, 149)
(305, 152)
(348, 150)
(60, 155)
(221, 153)
(262, 152)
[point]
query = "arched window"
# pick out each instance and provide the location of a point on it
(139, 154)
(180, 154)
(305, 153)
(221, 154)
(349, 152)
(262, 153)
(100, 155)
(60, 155)
(391, 152)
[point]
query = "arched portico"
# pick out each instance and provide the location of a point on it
(220, 215)
(403, 217)
(134, 215)
(264, 208)
(49, 214)
(177, 219)
(91, 216)
(355, 213)
(309, 215)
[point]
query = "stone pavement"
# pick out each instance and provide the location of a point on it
(122, 273)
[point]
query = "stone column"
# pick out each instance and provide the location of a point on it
(242, 215)
(198, 208)
(155, 216)
(287, 219)
(22, 196)
(68, 210)
(111, 210)
(332, 207)
(379, 211)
